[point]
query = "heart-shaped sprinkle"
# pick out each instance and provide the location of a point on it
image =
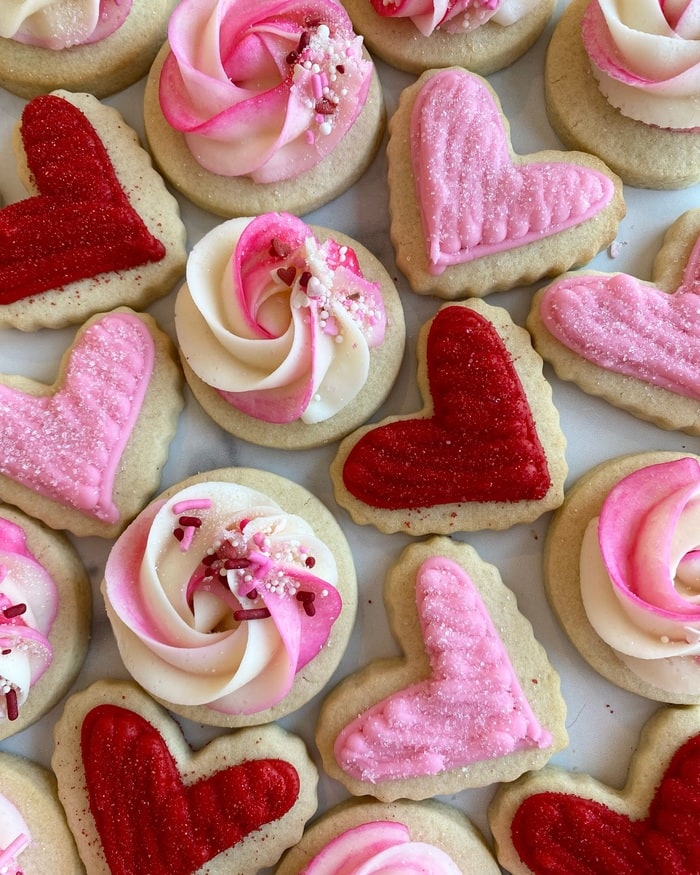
(152, 819)
(474, 198)
(81, 223)
(287, 274)
(631, 327)
(471, 706)
(67, 444)
(480, 443)
(558, 833)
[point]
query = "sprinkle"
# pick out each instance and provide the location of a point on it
(187, 537)
(191, 504)
(15, 610)
(317, 86)
(279, 248)
(190, 521)
(251, 614)
(11, 703)
(309, 561)
(178, 534)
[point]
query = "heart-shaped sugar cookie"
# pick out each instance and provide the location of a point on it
(486, 449)
(147, 803)
(469, 216)
(65, 449)
(465, 706)
(99, 228)
(635, 343)
(554, 822)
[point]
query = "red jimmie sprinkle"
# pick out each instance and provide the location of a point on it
(80, 224)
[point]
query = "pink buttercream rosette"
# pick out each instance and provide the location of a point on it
(646, 58)
(262, 89)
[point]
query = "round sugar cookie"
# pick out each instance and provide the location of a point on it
(352, 321)
(401, 831)
(40, 573)
(29, 800)
(99, 68)
(241, 196)
(257, 597)
(485, 50)
(562, 575)
(641, 155)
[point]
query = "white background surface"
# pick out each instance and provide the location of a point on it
(603, 722)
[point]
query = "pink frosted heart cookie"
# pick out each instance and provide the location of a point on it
(34, 836)
(293, 114)
(412, 836)
(85, 453)
(468, 215)
(634, 343)
(555, 822)
(95, 46)
(99, 229)
(473, 701)
(256, 594)
(45, 611)
(620, 574)
(486, 450)
(481, 35)
(309, 342)
(621, 82)
(138, 799)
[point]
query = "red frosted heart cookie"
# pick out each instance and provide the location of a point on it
(469, 216)
(85, 453)
(99, 229)
(474, 701)
(149, 804)
(554, 822)
(485, 451)
(634, 343)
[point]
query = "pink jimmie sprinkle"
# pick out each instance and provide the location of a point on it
(191, 504)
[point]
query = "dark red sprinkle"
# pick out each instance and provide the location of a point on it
(190, 521)
(340, 68)
(292, 58)
(15, 610)
(11, 702)
(280, 249)
(309, 562)
(242, 562)
(304, 279)
(304, 40)
(253, 594)
(324, 106)
(309, 609)
(305, 596)
(178, 534)
(7, 651)
(251, 614)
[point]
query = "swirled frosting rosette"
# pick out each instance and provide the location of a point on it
(45, 613)
(220, 599)
(640, 573)
(454, 16)
(28, 605)
(61, 24)
(622, 572)
(262, 89)
(279, 326)
(646, 58)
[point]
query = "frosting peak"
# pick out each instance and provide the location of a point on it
(640, 576)
(278, 323)
(218, 597)
(61, 24)
(646, 57)
(453, 16)
(262, 89)
(28, 604)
